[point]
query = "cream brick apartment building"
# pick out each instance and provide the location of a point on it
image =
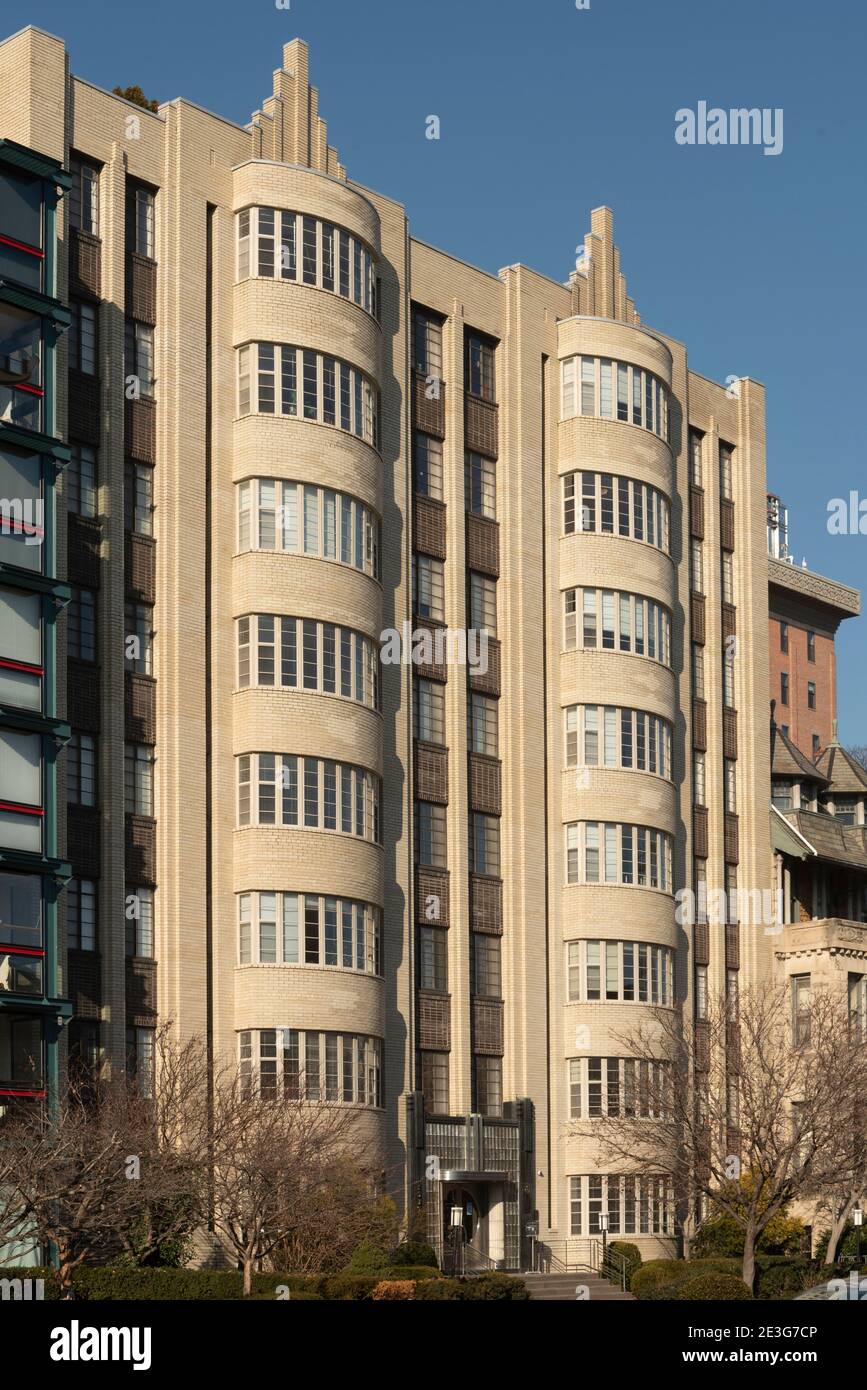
(436, 892)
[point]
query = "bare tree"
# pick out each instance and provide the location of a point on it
(112, 1166)
(858, 751)
(16, 1228)
(273, 1157)
(67, 1174)
(338, 1215)
(748, 1116)
(837, 1198)
(168, 1130)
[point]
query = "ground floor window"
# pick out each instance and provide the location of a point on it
(635, 1205)
(312, 1065)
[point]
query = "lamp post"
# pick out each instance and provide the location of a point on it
(603, 1226)
(858, 1219)
(457, 1224)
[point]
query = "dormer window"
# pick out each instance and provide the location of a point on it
(846, 809)
(781, 795)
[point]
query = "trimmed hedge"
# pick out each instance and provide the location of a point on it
(344, 1288)
(715, 1288)
(390, 1289)
(107, 1284)
(660, 1279)
(655, 1274)
(438, 1291)
(486, 1288)
(490, 1287)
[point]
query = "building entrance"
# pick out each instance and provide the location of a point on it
(466, 1199)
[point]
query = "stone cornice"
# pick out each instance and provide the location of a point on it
(814, 586)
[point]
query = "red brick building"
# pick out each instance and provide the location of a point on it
(805, 611)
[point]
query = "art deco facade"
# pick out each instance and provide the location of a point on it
(435, 892)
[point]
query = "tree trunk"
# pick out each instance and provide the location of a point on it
(837, 1229)
(249, 1261)
(749, 1265)
(65, 1266)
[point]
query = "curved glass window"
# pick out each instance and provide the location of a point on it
(613, 390)
(279, 379)
(606, 503)
(309, 929)
(636, 856)
(301, 1064)
(281, 789)
(609, 620)
(632, 972)
(607, 736)
(635, 1206)
(281, 245)
(619, 1087)
(301, 519)
(303, 654)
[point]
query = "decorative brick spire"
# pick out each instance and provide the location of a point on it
(597, 285)
(288, 127)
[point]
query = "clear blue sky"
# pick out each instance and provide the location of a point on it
(755, 262)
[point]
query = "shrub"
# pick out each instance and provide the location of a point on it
(344, 1287)
(656, 1274)
(660, 1279)
(847, 1245)
(439, 1290)
(299, 1295)
(95, 1284)
(393, 1288)
(715, 1288)
(267, 1284)
(129, 1283)
(51, 1288)
(414, 1252)
(490, 1287)
(630, 1253)
(721, 1235)
(714, 1264)
(782, 1276)
(367, 1258)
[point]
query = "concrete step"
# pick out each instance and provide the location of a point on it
(561, 1288)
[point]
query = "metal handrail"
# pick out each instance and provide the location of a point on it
(477, 1260)
(464, 1259)
(563, 1256)
(609, 1262)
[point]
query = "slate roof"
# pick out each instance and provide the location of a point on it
(787, 760)
(843, 772)
(830, 838)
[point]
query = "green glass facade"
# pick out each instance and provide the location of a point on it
(32, 874)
